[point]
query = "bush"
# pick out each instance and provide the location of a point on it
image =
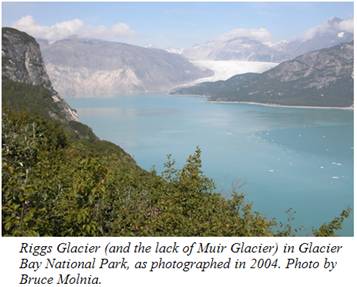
(54, 185)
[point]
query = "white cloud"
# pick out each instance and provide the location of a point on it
(116, 32)
(259, 34)
(347, 25)
(334, 25)
(72, 27)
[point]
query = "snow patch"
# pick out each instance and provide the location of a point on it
(175, 50)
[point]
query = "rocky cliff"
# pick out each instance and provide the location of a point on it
(22, 63)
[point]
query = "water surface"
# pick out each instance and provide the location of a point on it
(280, 157)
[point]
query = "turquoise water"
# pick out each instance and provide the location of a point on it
(279, 157)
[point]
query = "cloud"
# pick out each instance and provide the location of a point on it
(72, 27)
(335, 25)
(346, 25)
(259, 34)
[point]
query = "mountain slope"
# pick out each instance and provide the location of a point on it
(319, 78)
(54, 184)
(238, 48)
(256, 44)
(26, 88)
(22, 65)
(86, 67)
(328, 34)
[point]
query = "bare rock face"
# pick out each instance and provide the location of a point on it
(82, 81)
(22, 62)
(94, 68)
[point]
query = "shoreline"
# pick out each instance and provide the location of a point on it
(282, 106)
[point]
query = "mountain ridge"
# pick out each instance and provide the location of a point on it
(256, 44)
(54, 184)
(318, 78)
(114, 68)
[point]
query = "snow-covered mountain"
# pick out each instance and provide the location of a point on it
(257, 44)
(239, 44)
(335, 31)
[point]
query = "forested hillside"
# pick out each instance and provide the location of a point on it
(59, 179)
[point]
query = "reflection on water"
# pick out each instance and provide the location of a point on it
(286, 158)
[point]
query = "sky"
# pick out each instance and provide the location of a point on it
(169, 25)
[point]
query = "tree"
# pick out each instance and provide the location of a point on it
(55, 184)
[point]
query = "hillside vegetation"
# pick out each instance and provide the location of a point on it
(59, 179)
(319, 78)
(58, 184)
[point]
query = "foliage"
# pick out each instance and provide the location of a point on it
(329, 229)
(25, 97)
(57, 185)
(38, 100)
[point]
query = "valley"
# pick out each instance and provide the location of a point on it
(111, 135)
